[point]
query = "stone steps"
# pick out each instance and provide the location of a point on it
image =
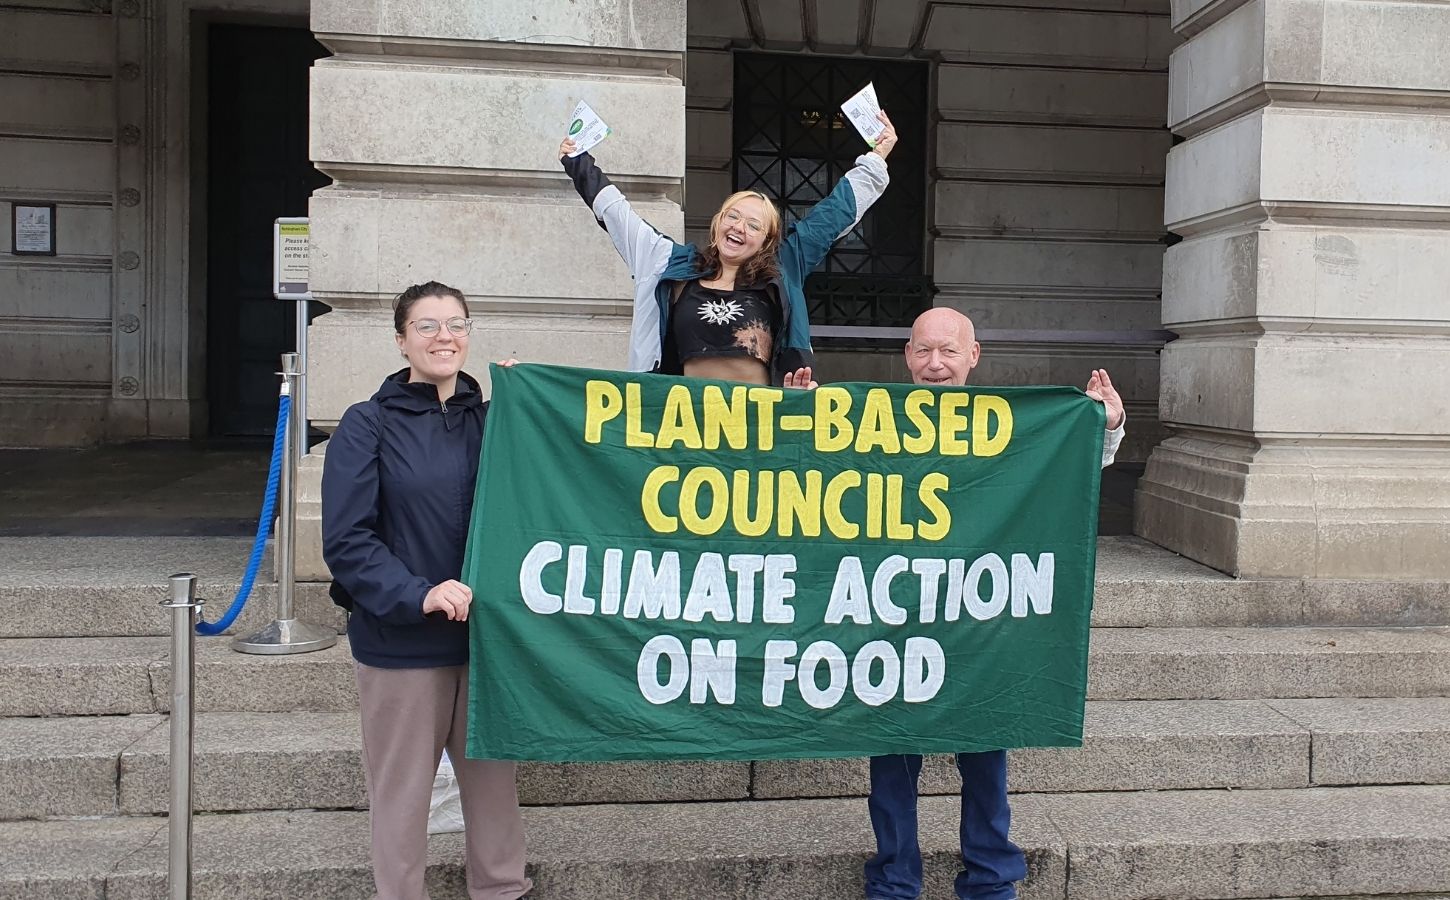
(1141, 585)
(1192, 845)
(117, 765)
(117, 676)
(1278, 689)
(109, 587)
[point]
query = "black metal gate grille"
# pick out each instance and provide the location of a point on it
(793, 143)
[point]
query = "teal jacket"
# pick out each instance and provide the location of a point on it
(658, 263)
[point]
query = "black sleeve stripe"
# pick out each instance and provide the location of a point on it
(588, 180)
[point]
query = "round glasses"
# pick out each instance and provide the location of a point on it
(429, 328)
(754, 226)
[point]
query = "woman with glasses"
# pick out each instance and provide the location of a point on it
(734, 309)
(397, 490)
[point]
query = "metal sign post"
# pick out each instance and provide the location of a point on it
(291, 280)
(287, 634)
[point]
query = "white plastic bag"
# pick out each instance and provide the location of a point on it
(445, 811)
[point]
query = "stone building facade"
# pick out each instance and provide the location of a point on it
(1265, 179)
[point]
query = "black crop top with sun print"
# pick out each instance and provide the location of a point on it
(711, 322)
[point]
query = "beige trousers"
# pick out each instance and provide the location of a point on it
(408, 717)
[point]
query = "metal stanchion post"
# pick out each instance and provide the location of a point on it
(299, 396)
(184, 606)
(286, 634)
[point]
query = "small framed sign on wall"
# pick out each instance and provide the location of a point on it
(32, 228)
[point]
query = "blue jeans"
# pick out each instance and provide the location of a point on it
(991, 863)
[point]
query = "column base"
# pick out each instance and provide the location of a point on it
(1365, 508)
(308, 556)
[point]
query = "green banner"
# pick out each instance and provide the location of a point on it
(674, 568)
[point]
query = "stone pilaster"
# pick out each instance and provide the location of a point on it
(1309, 392)
(439, 122)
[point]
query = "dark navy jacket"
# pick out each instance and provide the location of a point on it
(397, 491)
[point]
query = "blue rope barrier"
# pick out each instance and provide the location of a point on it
(264, 527)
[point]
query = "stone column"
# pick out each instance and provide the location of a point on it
(1309, 392)
(439, 122)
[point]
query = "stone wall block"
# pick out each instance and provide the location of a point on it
(1211, 277)
(1311, 279)
(32, 351)
(710, 79)
(1308, 384)
(1297, 509)
(64, 421)
(1225, 61)
(1023, 152)
(79, 169)
(780, 25)
(466, 118)
(838, 24)
(1264, 47)
(355, 349)
(622, 24)
(1340, 490)
(1385, 158)
(1095, 266)
(1189, 17)
(36, 40)
(1403, 550)
(1049, 37)
(1357, 36)
(709, 134)
(1339, 161)
(1050, 209)
(707, 190)
(1208, 382)
(307, 561)
(343, 242)
(1293, 40)
(57, 106)
(508, 247)
(1192, 498)
(1008, 311)
(715, 24)
(895, 24)
(1052, 96)
(1389, 385)
(80, 294)
(1212, 172)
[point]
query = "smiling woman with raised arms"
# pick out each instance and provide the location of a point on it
(734, 309)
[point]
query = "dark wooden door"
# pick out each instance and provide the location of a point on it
(257, 170)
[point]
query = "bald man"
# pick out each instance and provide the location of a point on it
(943, 350)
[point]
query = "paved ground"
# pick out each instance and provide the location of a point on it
(180, 489)
(171, 488)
